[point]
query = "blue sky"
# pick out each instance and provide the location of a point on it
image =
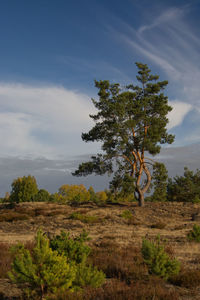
(51, 52)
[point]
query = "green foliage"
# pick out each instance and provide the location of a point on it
(159, 178)
(185, 188)
(77, 251)
(24, 189)
(194, 235)
(130, 121)
(157, 259)
(87, 275)
(74, 194)
(43, 269)
(42, 196)
(74, 249)
(84, 218)
(55, 266)
(123, 187)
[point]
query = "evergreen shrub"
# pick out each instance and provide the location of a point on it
(157, 260)
(194, 234)
(55, 266)
(74, 249)
(43, 269)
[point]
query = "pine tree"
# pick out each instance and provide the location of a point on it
(44, 269)
(160, 176)
(130, 122)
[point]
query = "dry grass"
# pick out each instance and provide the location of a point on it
(13, 216)
(118, 290)
(116, 243)
(187, 278)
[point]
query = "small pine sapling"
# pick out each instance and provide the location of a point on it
(43, 269)
(157, 260)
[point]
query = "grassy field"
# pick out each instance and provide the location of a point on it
(116, 233)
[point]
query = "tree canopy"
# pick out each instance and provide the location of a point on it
(185, 188)
(24, 189)
(129, 122)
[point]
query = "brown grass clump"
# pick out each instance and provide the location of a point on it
(5, 259)
(124, 264)
(159, 225)
(187, 278)
(118, 290)
(13, 216)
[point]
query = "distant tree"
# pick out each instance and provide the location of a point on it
(184, 188)
(160, 176)
(24, 189)
(130, 121)
(74, 193)
(42, 196)
(123, 187)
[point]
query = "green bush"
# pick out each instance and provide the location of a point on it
(55, 266)
(157, 260)
(43, 269)
(87, 275)
(74, 249)
(74, 194)
(42, 196)
(24, 189)
(194, 235)
(184, 188)
(77, 251)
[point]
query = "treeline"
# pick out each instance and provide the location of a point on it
(185, 188)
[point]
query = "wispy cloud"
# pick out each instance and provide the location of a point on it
(40, 120)
(167, 16)
(169, 42)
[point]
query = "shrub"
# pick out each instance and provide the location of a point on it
(43, 269)
(74, 249)
(194, 235)
(77, 251)
(101, 196)
(74, 194)
(84, 218)
(184, 188)
(42, 196)
(87, 275)
(157, 260)
(24, 189)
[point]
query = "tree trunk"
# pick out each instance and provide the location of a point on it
(140, 197)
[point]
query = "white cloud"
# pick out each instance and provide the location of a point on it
(178, 113)
(169, 15)
(40, 120)
(171, 43)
